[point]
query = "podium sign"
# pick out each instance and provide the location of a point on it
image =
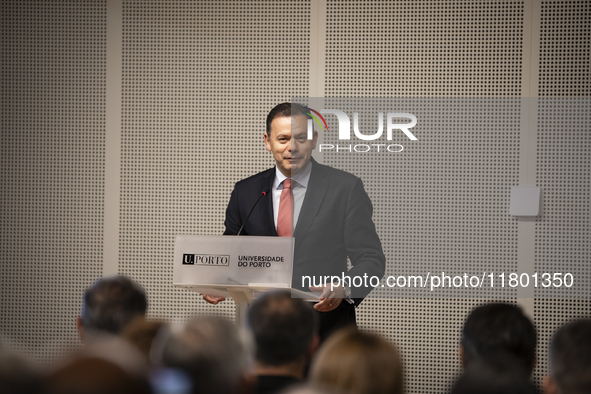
(236, 266)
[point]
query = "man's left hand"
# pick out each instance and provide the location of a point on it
(329, 299)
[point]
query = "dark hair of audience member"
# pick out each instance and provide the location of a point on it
(141, 334)
(498, 372)
(112, 303)
(17, 374)
(93, 375)
(283, 328)
(310, 388)
(355, 362)
(495, 326)
(569, 358)
(210, 351)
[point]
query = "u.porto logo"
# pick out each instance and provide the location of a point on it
(214, 260)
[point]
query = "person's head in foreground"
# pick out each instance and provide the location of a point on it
(285, 331)
(93, 375)
(17, 374)
(110, 304)
(569, 359)
(141, 333)
(210, 351)
(493, 327)
(355, 362)
(495, 373)
(310, 388)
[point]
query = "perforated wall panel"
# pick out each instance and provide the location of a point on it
(441, 202)
(424, 48)
(53, 114)
(198, 81)
(565, 53)
(563, 232)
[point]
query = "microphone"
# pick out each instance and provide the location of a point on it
(263, 194)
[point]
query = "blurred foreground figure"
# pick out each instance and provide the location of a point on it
(501, 373)
(110, 305)
(17, 374)
(498, 327)
(285, 331)
(93, 375)
(141, 334)
(308, 388)
(210, 351)
(354, 362)
(569, 359)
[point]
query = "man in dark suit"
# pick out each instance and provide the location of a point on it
(331, 220)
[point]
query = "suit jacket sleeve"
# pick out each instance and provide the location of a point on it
(244, 197)
(362, 243)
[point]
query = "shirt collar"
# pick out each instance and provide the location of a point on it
(301, 178)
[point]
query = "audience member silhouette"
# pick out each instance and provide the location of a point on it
(495, 327)
(569, 359)
(210, 351)
(93, 375)
(497, 372)
(355, 362)
(18, 375)
(141, 334)
(109, 305)
(285, 332)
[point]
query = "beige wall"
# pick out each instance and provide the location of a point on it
(126, 123)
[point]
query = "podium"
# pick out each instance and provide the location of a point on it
(240, 267)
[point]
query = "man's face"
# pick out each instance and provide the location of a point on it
(289, 143)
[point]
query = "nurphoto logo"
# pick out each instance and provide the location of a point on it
(393, 124)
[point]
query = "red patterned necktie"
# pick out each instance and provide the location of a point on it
(285, 215)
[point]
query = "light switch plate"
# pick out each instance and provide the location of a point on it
(525, 201)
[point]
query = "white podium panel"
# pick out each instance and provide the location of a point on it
(235, 266)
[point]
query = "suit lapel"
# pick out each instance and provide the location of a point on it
(318, 185)
(266, 203)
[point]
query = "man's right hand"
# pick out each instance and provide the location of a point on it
(213, 299)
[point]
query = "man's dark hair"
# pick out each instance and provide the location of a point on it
(569, 357)
(499, 373)
(495, 327)
(112, 303)
(283, 327)
(283, 110)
